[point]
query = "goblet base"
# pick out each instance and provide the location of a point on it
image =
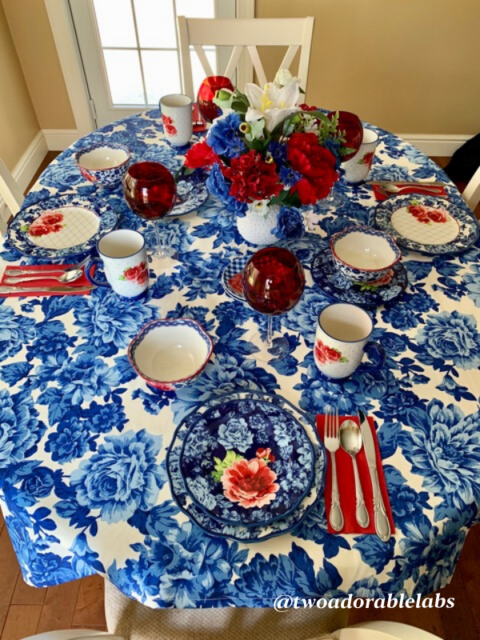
(334, 200)
(279, 347)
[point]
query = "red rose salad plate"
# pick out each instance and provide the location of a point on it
(58, 227)
(427, 224)
(248, 466)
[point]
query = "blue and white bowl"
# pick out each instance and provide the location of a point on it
(105, 164)
(364, 254)
(170, 353)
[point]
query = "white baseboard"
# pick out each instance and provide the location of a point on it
(435, 144)
(60, 139)
(28, 164)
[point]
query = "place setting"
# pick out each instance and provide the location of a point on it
(361, 265)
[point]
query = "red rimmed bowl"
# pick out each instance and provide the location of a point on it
(103, 163)
(364, 254)
(170, 353)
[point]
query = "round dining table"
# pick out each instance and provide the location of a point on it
(83, 440)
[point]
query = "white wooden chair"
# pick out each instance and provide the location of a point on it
(244, 34)
(380, 630)
(11, 194)
(471, 195)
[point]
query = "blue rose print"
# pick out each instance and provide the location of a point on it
(235, 434)
(20, 429)
(444, 448)
(450, 337)
(110, 322)
(122, 477)
(15, 331)
(71, 440)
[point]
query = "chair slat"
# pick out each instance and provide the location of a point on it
(204, 60)
(262, 78)
(289, 56)
(232, 63)
(471, 195)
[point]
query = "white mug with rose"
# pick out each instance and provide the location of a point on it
(357, 168)
(342, 339)
(177, 118)
(124, 257)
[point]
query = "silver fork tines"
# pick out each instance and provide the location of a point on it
(332, 443)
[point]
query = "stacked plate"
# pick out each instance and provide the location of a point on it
(427, 224)
(62, 226)
(247, 466)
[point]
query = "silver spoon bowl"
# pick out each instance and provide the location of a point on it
(351, 442)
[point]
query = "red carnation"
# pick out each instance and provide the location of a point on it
(306, 107)
(200, 155)
(252, 178)
(315, 163)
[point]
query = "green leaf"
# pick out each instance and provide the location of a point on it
(221, 465)
(25, 227)
(343, 359)
(122, 278)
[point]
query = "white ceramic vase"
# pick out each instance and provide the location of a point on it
(257, 224)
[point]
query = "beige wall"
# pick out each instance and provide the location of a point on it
(36, 50)
(411, 66)
(18, 122)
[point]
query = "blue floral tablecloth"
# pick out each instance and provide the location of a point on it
(83, 441)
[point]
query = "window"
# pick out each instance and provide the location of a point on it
(139, 45)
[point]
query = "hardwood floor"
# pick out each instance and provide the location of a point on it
(25, 611)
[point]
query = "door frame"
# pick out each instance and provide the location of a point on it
(64, 36)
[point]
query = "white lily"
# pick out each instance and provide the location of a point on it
(272, 103)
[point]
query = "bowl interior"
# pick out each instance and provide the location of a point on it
(102, 158)
(365, 251)
(170, 353)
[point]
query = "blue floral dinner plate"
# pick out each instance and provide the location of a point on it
(427, 224)
(59, 227)
(241, 533)
(190, 196)
(247, 461)
(332, 282)
(232, 277)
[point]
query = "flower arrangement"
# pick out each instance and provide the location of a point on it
(266, 149)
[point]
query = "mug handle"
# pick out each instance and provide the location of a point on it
(378, 352)
(90, 278)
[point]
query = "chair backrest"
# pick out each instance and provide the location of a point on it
(471, 194)
(10, 192)
(244, 34)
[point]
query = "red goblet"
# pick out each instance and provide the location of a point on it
(206, 94)
(273, 283)
(150, 191)
(351, 126)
